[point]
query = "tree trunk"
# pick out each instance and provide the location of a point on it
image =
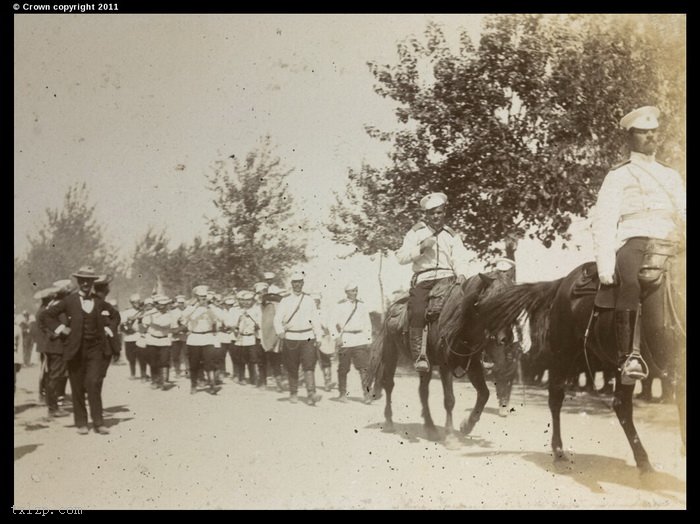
(381, 284)
(511, 247)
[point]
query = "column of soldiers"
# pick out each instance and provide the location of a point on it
(267, 332)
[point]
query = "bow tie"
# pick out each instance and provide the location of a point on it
(87, 297)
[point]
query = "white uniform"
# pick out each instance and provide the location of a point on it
(304, 324)
(640, 198)
(358, 330)
(446, 258)
(200, 322)
(127, 316)
(159, 328)
(246, 324)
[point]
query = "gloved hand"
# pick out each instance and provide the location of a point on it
(606, 280)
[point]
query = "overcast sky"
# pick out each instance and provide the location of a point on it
(140, 107)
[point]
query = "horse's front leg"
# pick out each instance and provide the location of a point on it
(428, 424)
(622, 404)
(449, 396)
(475, 372)
(557, 386)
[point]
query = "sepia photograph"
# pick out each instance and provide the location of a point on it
(275, 261)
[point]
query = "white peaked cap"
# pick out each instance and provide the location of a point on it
(642, 118)
(433, 200)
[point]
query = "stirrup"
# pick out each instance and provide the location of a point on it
(421, 365)
(634, 368)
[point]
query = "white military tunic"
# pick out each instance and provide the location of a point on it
(446, 258)
(640, 198)
(358, 330)
(304, 324)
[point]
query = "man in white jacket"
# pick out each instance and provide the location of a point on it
(298, 327)
(436, 252)
(640, 200)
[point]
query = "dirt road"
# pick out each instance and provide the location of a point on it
(247, 448)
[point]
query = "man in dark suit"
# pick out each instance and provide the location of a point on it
(85, 347)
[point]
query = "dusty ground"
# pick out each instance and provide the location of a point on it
(251, 449)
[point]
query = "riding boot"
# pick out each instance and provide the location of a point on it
(166, 377)
(342, 386)
(365, 392)
(415, 338)
(278, 381)
(631, 368)
(311, 387)
(328, 384)
(155, 380)
(253, 373)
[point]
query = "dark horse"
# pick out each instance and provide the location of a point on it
(561, 316)
(454, 344)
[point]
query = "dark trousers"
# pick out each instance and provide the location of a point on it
(201, 357)
(55, 377)
(418, 301)
(273, 363)
(239, 357)
(179, 356)
(142, 359)
(359, 356)
(628, 261)
(131, 352)
(85, 371)
(27, 348)
(255, 356)
(295, 352)
(220, 353)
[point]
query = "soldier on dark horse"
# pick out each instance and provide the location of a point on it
(627, 309)
(440, 296)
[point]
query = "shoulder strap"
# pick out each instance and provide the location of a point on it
(418, 225)
(449, 230)
(618, 166)
(351, 314)
(295, 310)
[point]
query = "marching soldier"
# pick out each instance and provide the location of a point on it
(268, 336)
(639, 201)
(159, 324)
(297, 325)
(177, 352)
(247, 330)
(353, 334)
(131, 334)
(436, 252)
(200, 320)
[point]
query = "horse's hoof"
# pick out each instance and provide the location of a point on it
(645, 468)
(560, 457)
(451, 441)
(431, 433)
(467, 426)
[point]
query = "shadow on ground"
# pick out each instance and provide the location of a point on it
(21, 451)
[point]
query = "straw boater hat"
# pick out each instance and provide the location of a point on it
(87, 272)
(200, 291)
(350, 286)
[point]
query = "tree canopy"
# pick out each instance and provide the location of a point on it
(518, 131)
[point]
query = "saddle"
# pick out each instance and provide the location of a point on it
(436, 298)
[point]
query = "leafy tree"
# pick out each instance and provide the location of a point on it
(519, 131)
(257, 229)
(70, 238)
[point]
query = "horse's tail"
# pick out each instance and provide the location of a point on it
(505, 309)
(375, 369)
(385, 345)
